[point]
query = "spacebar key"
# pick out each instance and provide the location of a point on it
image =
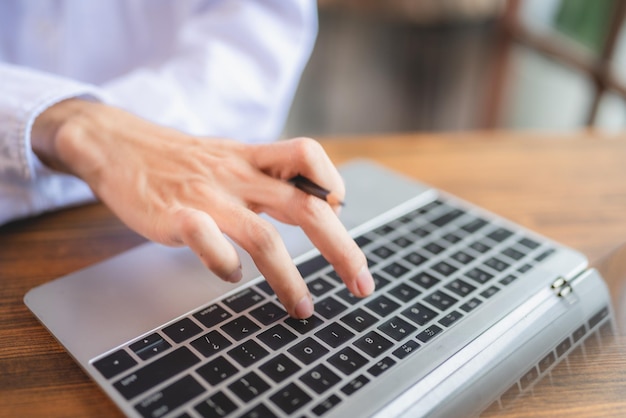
(156, 372)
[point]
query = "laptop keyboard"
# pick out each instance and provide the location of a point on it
(244, 357)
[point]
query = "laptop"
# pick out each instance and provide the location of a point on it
(468, 309)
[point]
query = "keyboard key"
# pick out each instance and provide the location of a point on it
(471, 304)
(489, 292)
(529, 243)
(460, 287)
(150, 346)
(218, 405)
(463, 257)
(419, 314)
(425, 280)
(359, 320)
(479, 276)
(382, 305)
(404, 292)
(334, 276)
(448, 217)
(347, 296)
(362, 241)
(280, 368)
(303, 326)
(444, 268)
(308, 350)
(290, 398)
(156, 372)
(379, 281)
(277, 337)
(513, 253)
(545, 254)
(170, 397)
(355, 384)
(268, 313)
(428, 333)
(373, 344)
(496, 264)
(249, 387)
(382, 366)
(415, 258)
(212, 315)
(508, 279)
(500, 234)
(440, 300)
(402, 242)
(334, 334)
(480, 246)
(265, 288)
(406, 349)
(395, 270)
(384, 230)
(248, 353)
(329, 307)
(420, 232)
(259, 411)
(319, 286)
(114, 364)
(347, 361)
(525, 268)
(451, 318)
(182, 330)
(217, 370)
(240, 328)
(325, 406)
(383, 252)
(474, 225)
(241, 301)
(211, 343)
(311, 266)
(452, 238)
(397, 328)
(320, 379)
(434, 248)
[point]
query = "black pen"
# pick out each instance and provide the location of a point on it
(313, 189)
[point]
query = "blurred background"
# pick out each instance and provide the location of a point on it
(449, 65)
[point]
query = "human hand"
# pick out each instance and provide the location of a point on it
(178, 189)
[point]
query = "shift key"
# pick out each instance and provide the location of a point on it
(156, 372)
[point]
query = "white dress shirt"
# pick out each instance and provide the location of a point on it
(224, 68)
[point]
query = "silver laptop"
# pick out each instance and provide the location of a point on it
(468, 309)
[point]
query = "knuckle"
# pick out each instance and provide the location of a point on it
(306, 149)
(312, 208)
(261, 236)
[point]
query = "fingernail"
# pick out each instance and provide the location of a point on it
(365, 282)
(304, 308)
(235, 276)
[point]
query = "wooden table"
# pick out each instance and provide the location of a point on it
(570, 187)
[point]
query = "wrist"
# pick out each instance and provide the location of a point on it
(56, 128)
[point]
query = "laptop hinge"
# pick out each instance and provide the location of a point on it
(561, 287)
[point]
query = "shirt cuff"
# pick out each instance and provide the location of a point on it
(24, 95)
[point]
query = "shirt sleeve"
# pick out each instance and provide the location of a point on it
(27, 187)
(233, 74)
